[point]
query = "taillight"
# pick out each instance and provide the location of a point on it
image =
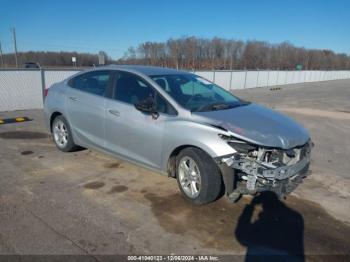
(46, 92)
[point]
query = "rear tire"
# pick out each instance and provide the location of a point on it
(62, 135)
(198, 176)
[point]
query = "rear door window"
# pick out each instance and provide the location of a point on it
(93, 82)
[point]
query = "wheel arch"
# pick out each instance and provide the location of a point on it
(171, 161)
(52, 118)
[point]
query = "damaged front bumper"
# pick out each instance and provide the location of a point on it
(246, 175)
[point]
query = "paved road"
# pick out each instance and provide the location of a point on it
(90, 203)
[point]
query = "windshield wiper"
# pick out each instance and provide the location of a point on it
(213, 107)
(219, 106)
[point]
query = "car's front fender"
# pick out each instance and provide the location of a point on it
(182, 133)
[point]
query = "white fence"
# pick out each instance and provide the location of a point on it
(231, 80)
(23, 89)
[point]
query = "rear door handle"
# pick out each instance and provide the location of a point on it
(73, 98)
(114, 112)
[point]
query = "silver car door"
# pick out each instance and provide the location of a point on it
(86, 107)
(130, 132)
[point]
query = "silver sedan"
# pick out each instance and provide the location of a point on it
(181, 125)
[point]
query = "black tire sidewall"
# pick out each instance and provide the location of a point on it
(70, 146)
(209, 172)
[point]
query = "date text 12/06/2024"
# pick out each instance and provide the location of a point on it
(173, 258)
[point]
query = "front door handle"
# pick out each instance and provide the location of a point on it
(73, 98)
(114, 112)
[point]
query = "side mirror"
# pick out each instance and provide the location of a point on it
(147, 106)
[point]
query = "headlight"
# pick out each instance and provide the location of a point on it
(237, 144)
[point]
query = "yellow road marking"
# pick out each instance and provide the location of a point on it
(14, 120)
(19, 119)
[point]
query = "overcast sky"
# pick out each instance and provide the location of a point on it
(112, 26)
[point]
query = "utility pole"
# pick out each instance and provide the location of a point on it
(1, 57)
(15, 45)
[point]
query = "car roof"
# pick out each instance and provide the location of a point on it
(146, 70)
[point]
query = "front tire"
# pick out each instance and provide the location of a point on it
(198, 176)
(62, 135)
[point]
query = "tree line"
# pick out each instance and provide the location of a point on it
(228, 54)
(199, 53)
(54, 59)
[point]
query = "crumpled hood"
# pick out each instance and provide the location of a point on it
(258, 125)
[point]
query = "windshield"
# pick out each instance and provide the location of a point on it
(196, 93)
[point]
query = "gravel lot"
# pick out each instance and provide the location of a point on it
(90, 203)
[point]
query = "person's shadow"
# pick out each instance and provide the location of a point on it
(277, 234)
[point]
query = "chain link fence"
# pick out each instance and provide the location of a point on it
(22, 89)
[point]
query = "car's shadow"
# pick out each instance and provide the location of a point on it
(276, 233)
